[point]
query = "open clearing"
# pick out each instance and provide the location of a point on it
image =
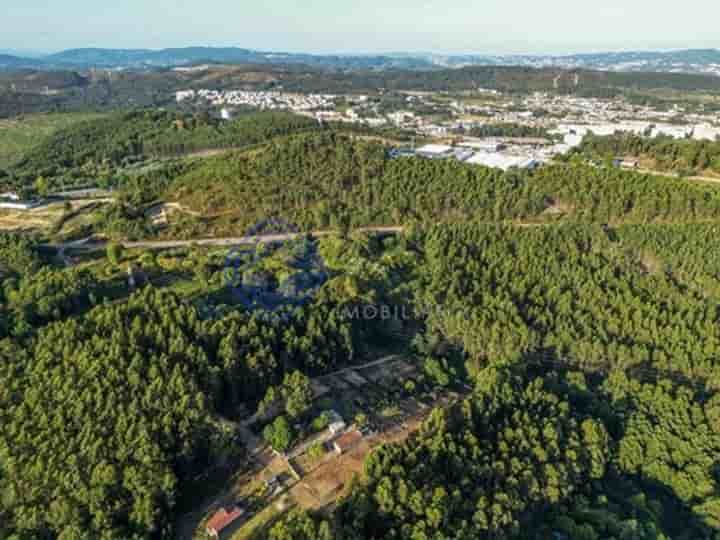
(18, 135)
(46, 217)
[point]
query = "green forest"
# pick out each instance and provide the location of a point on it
(591, 351)
(337, 180)
(108, 409)
(340, 178)
(683, 156)
(539, 455)
(20, 134)
(96, 150)
(346, 180)
(574, 310)
(593, 415)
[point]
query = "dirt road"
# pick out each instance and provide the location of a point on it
(217, 242)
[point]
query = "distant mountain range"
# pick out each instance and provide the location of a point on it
(705, 61)
(8, 61)
(189, 56)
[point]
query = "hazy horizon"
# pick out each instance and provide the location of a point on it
(325, 27)
(41, 53)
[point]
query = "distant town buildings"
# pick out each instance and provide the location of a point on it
(575, 132)
(565, 119)
(261, 100)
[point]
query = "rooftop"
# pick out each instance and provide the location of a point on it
(348, 440)
(501, 161)
(435, 149)
(223, 519)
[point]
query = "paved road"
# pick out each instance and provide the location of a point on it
(90, 245)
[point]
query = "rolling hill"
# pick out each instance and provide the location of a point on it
(699, 61)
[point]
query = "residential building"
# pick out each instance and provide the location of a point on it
(347, 441)
(224, 522)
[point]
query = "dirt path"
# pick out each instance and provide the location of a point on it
(673, 175)
(226, 242)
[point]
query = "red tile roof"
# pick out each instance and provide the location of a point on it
(222, 519)
(348, 440)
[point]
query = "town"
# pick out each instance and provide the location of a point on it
(446, 122)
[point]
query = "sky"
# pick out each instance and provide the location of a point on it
(363, 26)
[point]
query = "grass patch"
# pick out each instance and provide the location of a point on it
(260, 522)
(18, 135)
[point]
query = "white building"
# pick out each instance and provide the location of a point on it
(20, 205)
(706, 132)
(503, 161)
(183, 95)
(572, 140)
(487, 145)
(676, 132)
(435, 151)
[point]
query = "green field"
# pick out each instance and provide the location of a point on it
(19, 134)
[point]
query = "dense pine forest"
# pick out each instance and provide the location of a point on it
(97, 149)
(593, 415)
(339, 180)
(339, 177)
(107, 408)
(533, 456)
(574, 309)
(591, 350)
(684, 156)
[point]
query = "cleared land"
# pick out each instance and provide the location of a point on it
(325, 477)
(22, 133)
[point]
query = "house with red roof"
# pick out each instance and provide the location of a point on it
(347, 441)
(224, 521)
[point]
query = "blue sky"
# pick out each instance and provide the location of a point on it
(483, 26)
